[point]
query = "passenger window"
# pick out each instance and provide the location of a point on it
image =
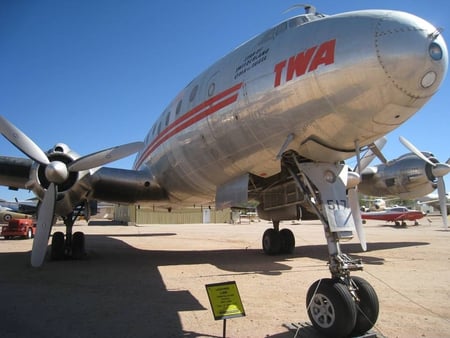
(178, 109)
(159, 127)
(167, 118)
(211, 89)
(193, 93)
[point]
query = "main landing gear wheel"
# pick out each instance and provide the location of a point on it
(278, 242)
(271, 242)
(78, 250)
(58, 246)
(287, 241)
(331, 308)
(367, 306)
(75, 250)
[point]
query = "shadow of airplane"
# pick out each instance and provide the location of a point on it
(118, 290)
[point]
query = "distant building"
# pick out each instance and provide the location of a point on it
(152, 215)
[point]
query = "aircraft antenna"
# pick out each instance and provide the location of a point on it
(309, 9)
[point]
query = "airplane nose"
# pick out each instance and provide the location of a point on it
(412, 53)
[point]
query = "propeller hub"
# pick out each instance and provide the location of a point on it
(56, 172)
(353, 179)
(441, 169)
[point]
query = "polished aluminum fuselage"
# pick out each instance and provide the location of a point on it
(317, 87)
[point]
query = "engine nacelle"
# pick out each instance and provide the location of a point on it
(406, 177)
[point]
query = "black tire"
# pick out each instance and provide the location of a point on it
(58, 246)
(271, 242)
(331, 308)
(367, 307)
(29, 233)
(287, 241)
(78, 245)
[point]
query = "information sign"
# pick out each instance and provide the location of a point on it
(225, 300)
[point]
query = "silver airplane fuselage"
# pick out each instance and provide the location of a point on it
(317, 85)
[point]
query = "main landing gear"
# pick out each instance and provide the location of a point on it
(70, 246)
(276, 241)
(342, 305)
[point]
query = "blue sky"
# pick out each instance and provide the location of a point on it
(95, 74)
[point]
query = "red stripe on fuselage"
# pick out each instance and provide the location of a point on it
(196, 114)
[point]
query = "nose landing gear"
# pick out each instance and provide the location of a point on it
(341, 305)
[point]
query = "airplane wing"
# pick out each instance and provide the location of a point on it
(105, 184)
(14, 172)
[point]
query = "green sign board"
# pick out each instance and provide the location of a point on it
(225, 300)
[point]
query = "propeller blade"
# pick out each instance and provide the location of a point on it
(44, 225)
(105, 156)
(356, 213)
(441, 169)
(442, 200)
(416, 151)
(374, 150)
(22, 141)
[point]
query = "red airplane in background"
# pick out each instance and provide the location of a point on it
(399, 215)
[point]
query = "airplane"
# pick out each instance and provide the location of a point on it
(7, 214)
(396, 214)
(409, 176)
(273, 121)
(25, 207)
(433, 200)
(376, 204)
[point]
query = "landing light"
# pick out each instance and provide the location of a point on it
(428, 79)
(329, 176)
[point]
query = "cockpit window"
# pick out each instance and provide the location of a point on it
(302, 19)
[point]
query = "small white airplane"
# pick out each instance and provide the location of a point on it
(272, 121)
(375, 204)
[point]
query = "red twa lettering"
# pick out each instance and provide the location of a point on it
(324, 55)
(299, 63)
(306, 61)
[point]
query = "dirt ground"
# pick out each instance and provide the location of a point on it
(149, 281)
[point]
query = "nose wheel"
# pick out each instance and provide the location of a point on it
(339, 310)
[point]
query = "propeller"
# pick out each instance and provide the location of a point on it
(22, 142)
(352, 195)
(439, 170)
(45, 220)
(56, 173)
(374, 150)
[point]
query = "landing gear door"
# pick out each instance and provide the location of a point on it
(331, 181)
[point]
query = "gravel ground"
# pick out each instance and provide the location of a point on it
(149, 281)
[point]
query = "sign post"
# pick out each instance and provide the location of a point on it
(225, 302)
